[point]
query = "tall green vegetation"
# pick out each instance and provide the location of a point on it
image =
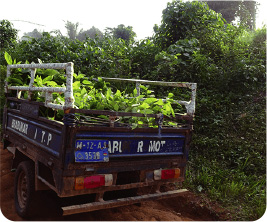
(244, 11)
(8, 34)
(8, 37)
(195, 44)
(122, 32)
(228, 63)
(72, 29)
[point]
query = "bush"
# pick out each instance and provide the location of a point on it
(181, 20)
(8, 35)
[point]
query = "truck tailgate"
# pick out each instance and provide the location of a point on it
(102, 146)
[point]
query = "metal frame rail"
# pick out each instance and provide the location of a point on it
(68, 90)
(189, 105)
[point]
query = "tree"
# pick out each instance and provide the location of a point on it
(34, 34)
(230, 10)
(72, 29)
(182, 20)
(8, 34)
(91, 33)
(247, 13)
(122, 32)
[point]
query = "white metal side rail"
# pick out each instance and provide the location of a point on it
(189, 105)
(68, 90)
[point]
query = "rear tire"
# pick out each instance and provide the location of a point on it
(25, 189)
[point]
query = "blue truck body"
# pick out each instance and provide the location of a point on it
(74, 158)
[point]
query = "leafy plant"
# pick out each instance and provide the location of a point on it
(181, 20)
(97, 95)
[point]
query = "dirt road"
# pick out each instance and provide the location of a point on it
(184, 208)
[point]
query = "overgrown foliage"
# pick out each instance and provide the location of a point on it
(228, 156)
(122, 32)
(244, 11)
(181, 20)
(8, 34)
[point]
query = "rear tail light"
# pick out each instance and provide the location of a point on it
(93, 181)
(166, 174)
(79, 183)
(177, 173)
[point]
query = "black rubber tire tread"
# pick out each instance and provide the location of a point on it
(28, 168)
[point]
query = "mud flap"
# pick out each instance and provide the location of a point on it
(74, 209)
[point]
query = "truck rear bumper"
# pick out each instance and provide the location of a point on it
(74, 209)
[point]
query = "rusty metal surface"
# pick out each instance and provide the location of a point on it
(119, 202)
(39, 66)
(24, 106)
(161, 83)
(30, 109)
(116, 113)
(69, 184)
(69, 176)
(69, 98)
(33, 88)
(181, 130)
(37, 155)
(112, 113)
(72, 169)
(115, 117)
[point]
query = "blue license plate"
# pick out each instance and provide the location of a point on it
(91, 151)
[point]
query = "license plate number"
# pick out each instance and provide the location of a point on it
(91, 151)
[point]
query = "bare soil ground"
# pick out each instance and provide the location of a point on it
(188, 207)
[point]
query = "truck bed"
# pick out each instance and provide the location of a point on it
(71, 149)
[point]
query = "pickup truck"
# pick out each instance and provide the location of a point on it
(73, 157)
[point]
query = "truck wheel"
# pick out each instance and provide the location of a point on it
(24, 189)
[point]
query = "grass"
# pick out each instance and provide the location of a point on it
(243, 194)
(228, 157)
